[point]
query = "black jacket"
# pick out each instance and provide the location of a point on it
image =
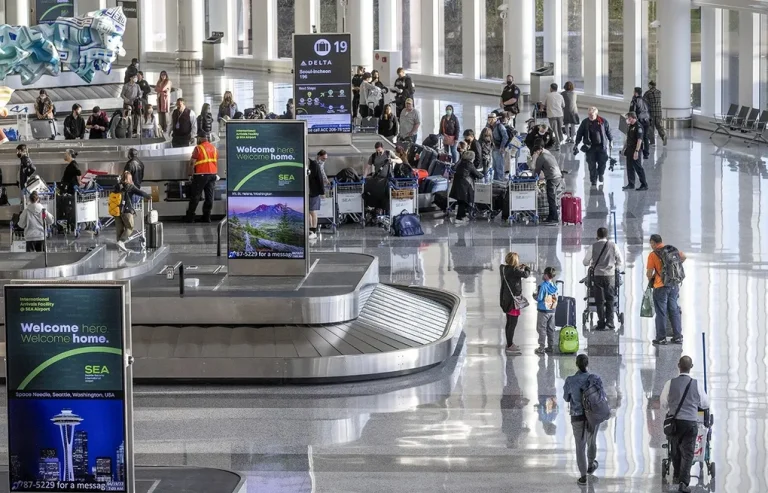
(316, 184)
(26, 170)
(583, 133)
(136, 168)
(389, 127)
(478, 150)
(404, 88)
(145, 89)
(449, 125)
(129, 190)
(514, 277)
(71, 177)
(130, 71)
(640, 107)
(548, 138)
(634, 135)
(204, 125)
(100, 120)
(74, 127)
(464, 181)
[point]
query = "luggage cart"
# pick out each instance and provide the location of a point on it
(140, 207)
(403, 197)
(350, 204)
(87, 210)
(484, 200)
(539, 114)
(327, 210)
(105, 219)
(47, 199)
(522, 201)
(18, 243)
(702, 453)
(587, 317)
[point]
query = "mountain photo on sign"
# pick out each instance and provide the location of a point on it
(266, 227)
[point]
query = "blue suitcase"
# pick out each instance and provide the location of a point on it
(434, 184)
(565, 313)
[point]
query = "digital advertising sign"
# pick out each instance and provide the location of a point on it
(266, 196)
(322, 76)
(68, 388)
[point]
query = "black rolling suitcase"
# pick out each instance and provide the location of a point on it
(565, 313)
(65, 210)
(155, 235)
(369, 125)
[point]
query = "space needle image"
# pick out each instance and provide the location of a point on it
(66, 421)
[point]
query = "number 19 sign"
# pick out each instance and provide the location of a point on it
(322, 82)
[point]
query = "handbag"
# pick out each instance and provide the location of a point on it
(646, 308)
(449, 140)
(518, 301)
(670, 429)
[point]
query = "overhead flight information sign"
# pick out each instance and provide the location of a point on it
(68, 388)
(322, 75)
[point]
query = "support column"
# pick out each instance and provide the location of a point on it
(593, 49)
(223, 18)
(191, 29)
(18, 12)
(633, 38)
(360, 27)
(388, 25)
(711, 61)
(264, 30)
(470, 39)
(430, 37)
(306, 15)
(749, 59)
(85, 6)
(674, 61)
(553, 35)
(518, 42)
(171, 26)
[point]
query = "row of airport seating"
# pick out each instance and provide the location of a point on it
(745, 122)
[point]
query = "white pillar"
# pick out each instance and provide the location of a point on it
(430, 37)
(171, 25)
(306, 14)
(593, 49)
(633, 38)
(18, 12)
(223, 18)
(191, 29)
(85, 6)
(264, 30)
(553, 35)
(749, 59)
(674, 61)
(471, 39)
(711, 61)
(360, 28)
(388, 25)
(518, 42)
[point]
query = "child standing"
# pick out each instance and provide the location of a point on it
(546, 296)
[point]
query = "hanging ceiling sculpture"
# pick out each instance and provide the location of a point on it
(84, 44)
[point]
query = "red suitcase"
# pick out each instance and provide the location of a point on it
(570, 208)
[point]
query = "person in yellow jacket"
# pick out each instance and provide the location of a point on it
(203, 168)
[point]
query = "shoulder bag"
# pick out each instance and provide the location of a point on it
(519, 300)
(670, 428)
(592, 267)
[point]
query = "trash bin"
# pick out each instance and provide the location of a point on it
(541, 78)
(213, 55)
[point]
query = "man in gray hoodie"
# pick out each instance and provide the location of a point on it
(546, 164)
(35, 221)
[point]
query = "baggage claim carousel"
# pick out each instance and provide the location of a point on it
(337, 324)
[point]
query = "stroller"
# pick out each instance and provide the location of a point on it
(702, 452)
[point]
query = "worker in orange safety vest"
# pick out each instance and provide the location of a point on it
(203, 169)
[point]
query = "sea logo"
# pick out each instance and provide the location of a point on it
(322, 47)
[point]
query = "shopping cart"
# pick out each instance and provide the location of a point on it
(327, 212)
(523, 201)
(702, 453)
(350, 203)
(403, 197)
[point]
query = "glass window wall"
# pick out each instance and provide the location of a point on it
(539, 34)
(493, 49)
(613, 48)
(452, 47)
(696, 58)
(328, 12)
(730, 52)
(573, 47)
(651, 56)
(286, 24)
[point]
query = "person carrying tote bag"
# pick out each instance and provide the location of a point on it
(511, 297)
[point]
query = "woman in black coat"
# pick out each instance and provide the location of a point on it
(463, 190)
(388, 124)
(512, 274)
(474, 145)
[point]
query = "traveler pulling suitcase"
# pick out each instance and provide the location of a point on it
(155, 235)
(565, 313)
(570, 208)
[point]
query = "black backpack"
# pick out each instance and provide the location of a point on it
(348, 175)
(672, 271)
(403, 170)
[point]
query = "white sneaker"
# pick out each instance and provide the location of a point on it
(312, 235)
(121, 246)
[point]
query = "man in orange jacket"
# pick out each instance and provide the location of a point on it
(203, 168)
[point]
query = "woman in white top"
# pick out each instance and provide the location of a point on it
(149, 125)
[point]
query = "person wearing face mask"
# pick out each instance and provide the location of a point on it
(544, 133)
(510, 97)
(71, 177)
(486, 145)
(131, 93)
(404, 89)
(131, 70)
(379, 159)
(322, 157)
(183, 121)
(451, 132)
(26, 168)
(633, 149)
(500, 141)
(378, 109)
(357, 81)
(474, 145)
(595, 133)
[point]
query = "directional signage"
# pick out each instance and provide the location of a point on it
(322, 82)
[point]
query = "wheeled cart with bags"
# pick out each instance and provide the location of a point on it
(587, 317)
(523, 201)
(702, 453)
(350, 203)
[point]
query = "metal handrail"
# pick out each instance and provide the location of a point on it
(219, 228)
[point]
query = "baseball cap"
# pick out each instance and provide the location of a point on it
(493, 115)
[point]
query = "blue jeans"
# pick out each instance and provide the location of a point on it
(498, 164)
(665, 302)
(454, 152)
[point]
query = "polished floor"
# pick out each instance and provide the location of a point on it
(484, 421)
